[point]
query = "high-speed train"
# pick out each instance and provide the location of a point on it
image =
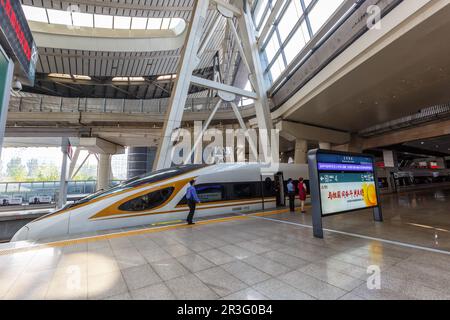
(160, 196)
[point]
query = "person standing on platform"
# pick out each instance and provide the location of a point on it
(291, 194)
(302, 193)
(192, 200)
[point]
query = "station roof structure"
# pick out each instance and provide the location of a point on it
(120, 49)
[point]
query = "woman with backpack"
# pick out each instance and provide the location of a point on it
(302, 193)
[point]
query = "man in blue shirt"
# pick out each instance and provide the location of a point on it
(291, 194)
(192, 200)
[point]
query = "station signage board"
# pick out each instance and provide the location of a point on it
(346, 183)
(16, 37)
(341, 182)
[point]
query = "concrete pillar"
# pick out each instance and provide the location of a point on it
(140, 160)
(324, 145)
(63, 179)
(390, 159)
(103, 171)
(301, 151)
(356, 144)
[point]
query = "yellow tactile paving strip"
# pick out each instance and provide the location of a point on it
(63, 243)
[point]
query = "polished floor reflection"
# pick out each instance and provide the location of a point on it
(246, 258)
(419, 217)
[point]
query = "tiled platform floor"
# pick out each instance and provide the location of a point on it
(420, 217)
(250, 258)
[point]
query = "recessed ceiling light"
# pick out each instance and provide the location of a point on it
(126, 79)
(166, 77)
(81, 77)
(422, 142)
(68, 76)
(60, 75)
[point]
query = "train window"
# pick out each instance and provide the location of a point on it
(242, 190)
(147, 201)
(210, 193)
(269, 188)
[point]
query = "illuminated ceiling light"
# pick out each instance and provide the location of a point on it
(166, 77)
(136, 79)
(81, 77)
(128, 79)
(60, 75)
(35, 14)
(68, 76)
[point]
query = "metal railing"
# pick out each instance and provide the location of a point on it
(103, 105)
(423, 116)
(28, 190)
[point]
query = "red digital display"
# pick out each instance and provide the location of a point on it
(11, 15)
(16, 38)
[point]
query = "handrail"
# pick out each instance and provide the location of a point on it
(103, 105)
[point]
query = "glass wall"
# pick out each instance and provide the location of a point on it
(292, 27)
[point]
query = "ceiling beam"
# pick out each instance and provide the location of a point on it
(222, 87)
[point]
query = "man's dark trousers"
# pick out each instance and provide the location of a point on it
(291, 201)
(191, 204)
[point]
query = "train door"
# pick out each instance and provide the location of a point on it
(279, 189)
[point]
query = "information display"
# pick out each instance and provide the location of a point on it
(341, 182)
(16, 37)
(346, 183)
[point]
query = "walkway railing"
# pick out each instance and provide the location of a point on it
(27, 190)
(101, 105)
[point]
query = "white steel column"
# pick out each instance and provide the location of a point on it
(250, 45)
(188, 62)
(248, 49)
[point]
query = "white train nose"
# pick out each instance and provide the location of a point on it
(21, 235)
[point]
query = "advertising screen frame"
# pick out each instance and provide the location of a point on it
(316, 197)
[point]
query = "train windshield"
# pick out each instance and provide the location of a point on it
(154, 176)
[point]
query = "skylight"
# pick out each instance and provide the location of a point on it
(103, 21)
(139, 23)
(59, 17)
(35, 13)
(79, 19)
(122, 22)
(83, 19)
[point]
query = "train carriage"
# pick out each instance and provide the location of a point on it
(160, 196)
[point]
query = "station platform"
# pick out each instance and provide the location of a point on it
(262, 255)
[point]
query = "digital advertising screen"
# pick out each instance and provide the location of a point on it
(346, 182)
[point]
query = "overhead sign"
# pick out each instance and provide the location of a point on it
(6, 72)
(16, 37)
(346, 183)
(341, 182)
